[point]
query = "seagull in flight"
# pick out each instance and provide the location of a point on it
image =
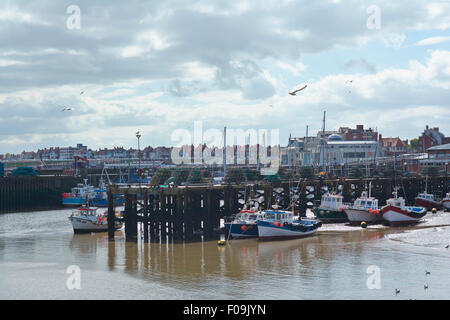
(293, 93)
(66, 109)
(349, 81)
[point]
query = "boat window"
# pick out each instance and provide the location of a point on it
(362, 203)
(369, 203)
(270, 216)
(252, 216)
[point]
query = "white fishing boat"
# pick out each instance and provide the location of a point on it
(280, 224)
(397, 213)
(365, 208)
(88, 219)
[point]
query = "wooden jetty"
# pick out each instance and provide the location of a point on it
(177, 213)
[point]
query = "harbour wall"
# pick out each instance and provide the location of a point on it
(32, 193)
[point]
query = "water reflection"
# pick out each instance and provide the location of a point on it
(238, 260)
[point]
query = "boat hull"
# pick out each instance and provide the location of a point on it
(271, 231)
(330, 216)
(427, 203)
(242, 230)
(73, 202)
(360, 215)
(446, 204)
(81, 225)
(398, 216)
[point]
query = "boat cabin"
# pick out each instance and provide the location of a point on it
(85, 211)
(366, 203)
(331, 201)
(396, 202)
(426, 196)
(248, 216)
(280, 216)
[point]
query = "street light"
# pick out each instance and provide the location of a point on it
(138, 136)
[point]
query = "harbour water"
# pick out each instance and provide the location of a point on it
(36, 248)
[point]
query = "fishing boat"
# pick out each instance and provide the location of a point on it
(79, 195)
(97, 196)
(244, 224)
(280, 224)
(395, 212)
(88, 219)
(365, 208)
(427, 200)
(446, 201)
(331, 209)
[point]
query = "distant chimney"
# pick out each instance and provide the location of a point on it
(426, 128)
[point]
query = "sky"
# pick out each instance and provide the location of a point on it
(159, 66)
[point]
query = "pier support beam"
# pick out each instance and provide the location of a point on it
(111, 215)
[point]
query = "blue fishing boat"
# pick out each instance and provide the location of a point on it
(84, 193)
(244, 224)
(78, 195)
(280, 224)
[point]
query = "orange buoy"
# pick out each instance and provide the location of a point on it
(243, 228)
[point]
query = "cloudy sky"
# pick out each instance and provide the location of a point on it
(157, 66)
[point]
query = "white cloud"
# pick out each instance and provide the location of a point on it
(432, 41)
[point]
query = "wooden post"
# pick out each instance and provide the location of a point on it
(130, 219)
(111, 215)
(145, 216)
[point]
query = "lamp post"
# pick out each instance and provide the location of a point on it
(138, 136)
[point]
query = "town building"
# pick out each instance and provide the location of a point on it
(67, 153)
(394, 146)
(431, 137)
(358, 134)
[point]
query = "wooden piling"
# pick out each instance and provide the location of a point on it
(111, 215)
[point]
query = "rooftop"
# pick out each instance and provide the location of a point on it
(440, 147)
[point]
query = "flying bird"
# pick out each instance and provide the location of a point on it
(66, 109)
(397, 291)
(427, 272)
(349, 81)
(425, 287)
(446, 247)
(293, 93)
(81, 92)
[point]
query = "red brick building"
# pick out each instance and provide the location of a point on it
(394, 146)
(358, 134)
(431, 137)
